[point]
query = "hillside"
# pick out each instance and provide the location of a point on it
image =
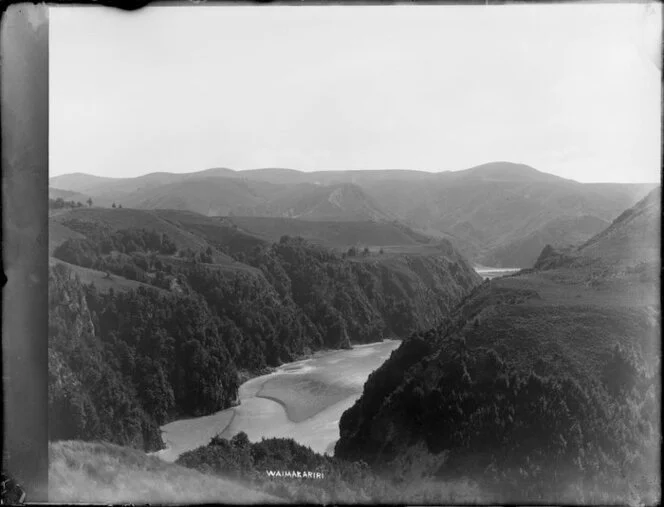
(561, 232)
(82, 472)
(163, 308)
(527, 372)
(542, 385)
(502, 171)
(491, 215)
(210, 196)
(632, 237)
(91, 219)
(335, 234)
(629, 245)
(232, 472)
(58, 233)
(220, 192)
(100, 279)
(342, 202)
(67, 195)
(489, 212)
(79, 182)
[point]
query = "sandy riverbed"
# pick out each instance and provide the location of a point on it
(303, 400)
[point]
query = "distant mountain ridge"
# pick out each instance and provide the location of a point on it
(501, 171)
(498, 213)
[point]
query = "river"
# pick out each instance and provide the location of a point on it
(303, 400)
(490, 273)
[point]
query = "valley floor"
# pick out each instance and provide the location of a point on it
(302, 400)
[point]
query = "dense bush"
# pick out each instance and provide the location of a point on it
(176, 351)
(130, 253)
(264, 329)
(526, 435)
(361, 301)
(342, 481)
(89, 398)
(123, 363)
(60, 203)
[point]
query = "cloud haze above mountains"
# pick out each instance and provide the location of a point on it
(569, 89)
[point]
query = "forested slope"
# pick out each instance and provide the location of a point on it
(212, 303)
(543, 386)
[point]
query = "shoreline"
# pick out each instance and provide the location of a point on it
(193, 432)
(246, 375)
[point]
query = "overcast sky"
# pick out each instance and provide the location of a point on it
(568, 89)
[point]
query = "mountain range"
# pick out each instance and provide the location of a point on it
(498, 214)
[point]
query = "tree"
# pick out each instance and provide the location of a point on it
(89, 201)
(381, 251)
(113, 205)
(365, 252)
(119, 205)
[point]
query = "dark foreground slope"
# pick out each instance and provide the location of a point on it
(543, 386)
(230, 472)
(82, 472)
(182, 303)
(340, 481)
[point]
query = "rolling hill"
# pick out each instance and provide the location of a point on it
(67, 195)
(210, 196)
(340, 202)
(488, 215)
(332, 234)
(633, 237)
(489, 212)
(561, 232)
(83, 219)
(79, 182)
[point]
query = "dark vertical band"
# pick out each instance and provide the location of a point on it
(24, 95)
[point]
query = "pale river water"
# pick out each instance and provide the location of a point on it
(302, 400)
(491, 273)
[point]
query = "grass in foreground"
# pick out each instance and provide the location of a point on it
(83, 472)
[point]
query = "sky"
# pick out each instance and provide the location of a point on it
(572, 90)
